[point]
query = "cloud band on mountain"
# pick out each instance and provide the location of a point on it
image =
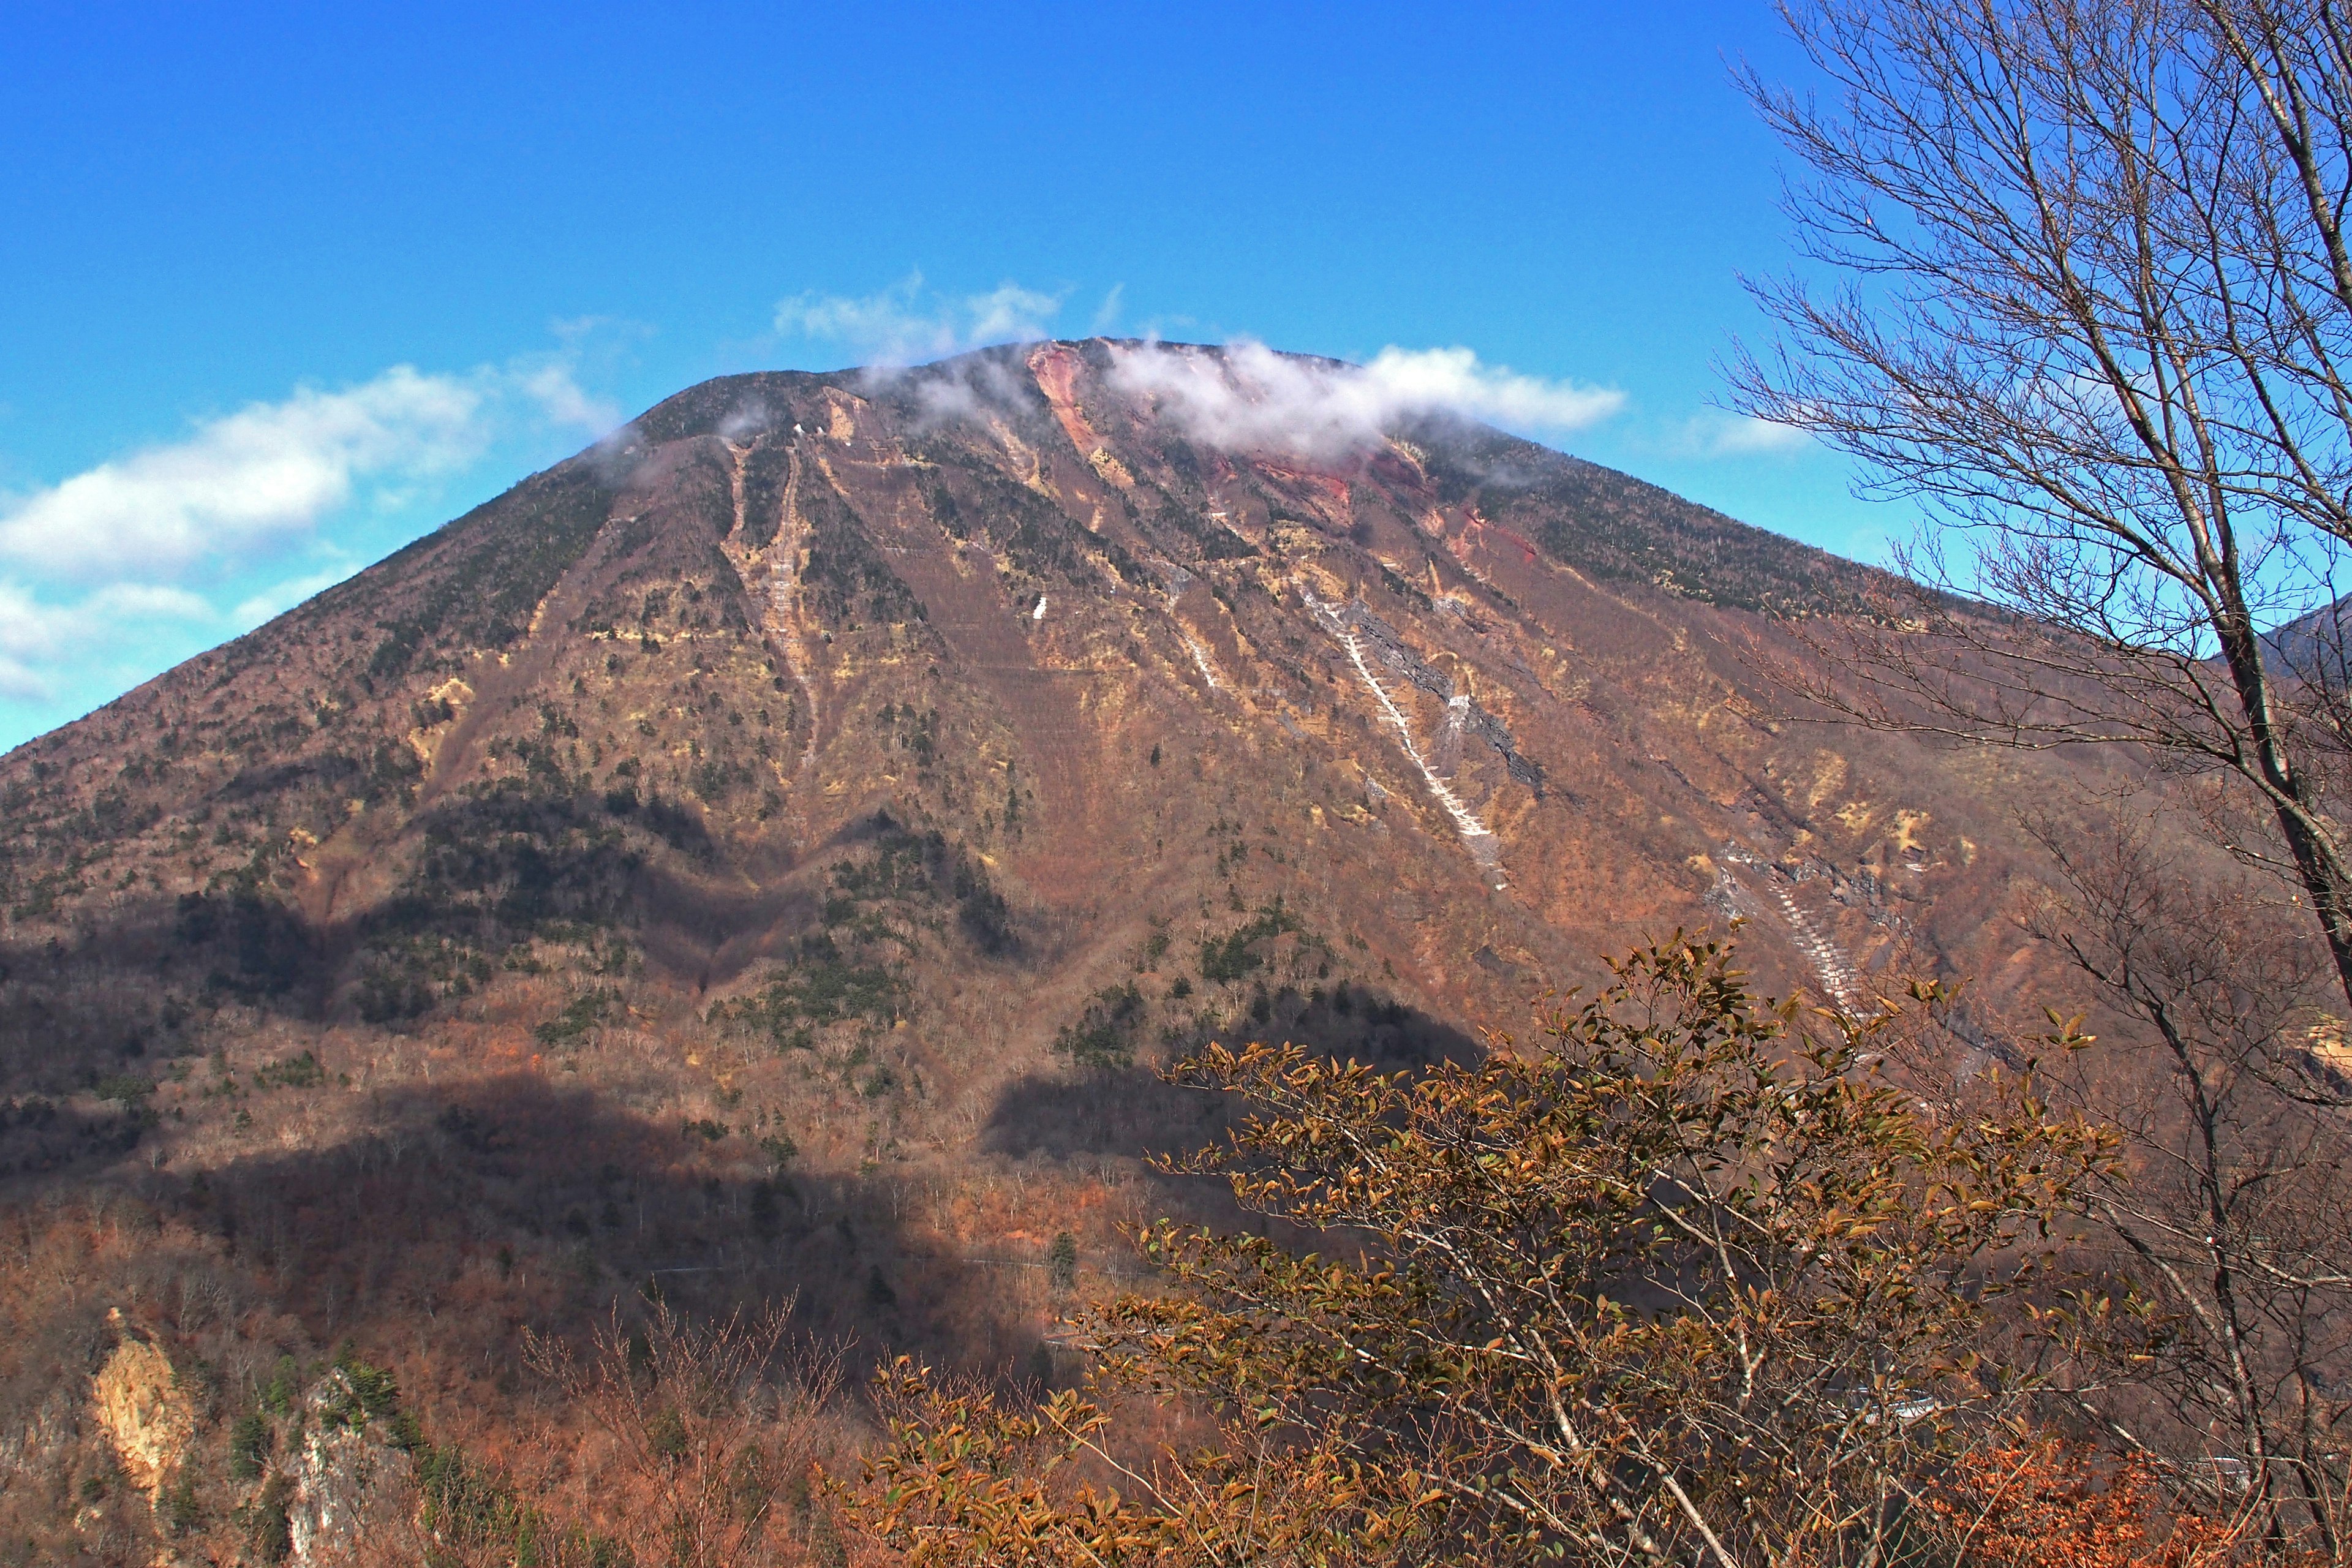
(1243, 397)
(1249, 398)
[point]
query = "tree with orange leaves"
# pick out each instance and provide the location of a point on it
(1687, 1282)
(2045, 1503)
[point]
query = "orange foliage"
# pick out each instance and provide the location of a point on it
(2048, 1503)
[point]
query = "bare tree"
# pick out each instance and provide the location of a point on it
(2217, 1349)
(2235, 1217)
(2092, 311)
(713, 1428)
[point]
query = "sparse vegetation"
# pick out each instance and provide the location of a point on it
(1235, 956)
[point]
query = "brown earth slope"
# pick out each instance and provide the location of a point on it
(765, 851)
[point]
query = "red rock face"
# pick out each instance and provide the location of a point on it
(1057, 369)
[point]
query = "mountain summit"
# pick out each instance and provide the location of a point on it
(767, 856)
(1085, 660)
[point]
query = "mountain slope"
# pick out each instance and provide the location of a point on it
(718, 570)
(1475, 708)
(835, 788)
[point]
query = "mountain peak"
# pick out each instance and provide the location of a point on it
(1171, 689)
(760, 853)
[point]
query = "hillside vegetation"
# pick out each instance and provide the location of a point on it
(770, 858)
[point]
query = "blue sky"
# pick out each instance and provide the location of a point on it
(282, 288)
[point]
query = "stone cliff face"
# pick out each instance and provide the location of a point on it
(143, 1411)
(343, 1483)
(346, 1486)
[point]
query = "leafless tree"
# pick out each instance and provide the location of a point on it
(2091, 309)
(713, 1430)
(2234, 1217)
(2224, 1232)
(2090, 305)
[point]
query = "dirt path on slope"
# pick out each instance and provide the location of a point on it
(497, 681)
(501, 680)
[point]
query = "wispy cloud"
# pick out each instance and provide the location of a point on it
(121, 567)
(962, 390)
(1107, 313)
(39, 639)
(1718, 435)
(1247, 397)
(279, 597)
(906, 323)
(559, 399)
(243, 485)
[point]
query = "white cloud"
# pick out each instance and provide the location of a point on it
(279, 598)
(118, 571)
(906, 322)
(1249, 398)
(245, 486)
(962, 389)
(1107, 313)
(1739, 435)
(1453, 380)
(242, 483)
(20, 683)
(31, 628)
(39, 638)
(562, 402)
(30, 635)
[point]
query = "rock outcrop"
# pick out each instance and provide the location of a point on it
(145, 1413)
(349, 1484)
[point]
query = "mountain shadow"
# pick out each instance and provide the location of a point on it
(1123, 1107)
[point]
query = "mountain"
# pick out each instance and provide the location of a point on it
(2310, 647)
(768, 851)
